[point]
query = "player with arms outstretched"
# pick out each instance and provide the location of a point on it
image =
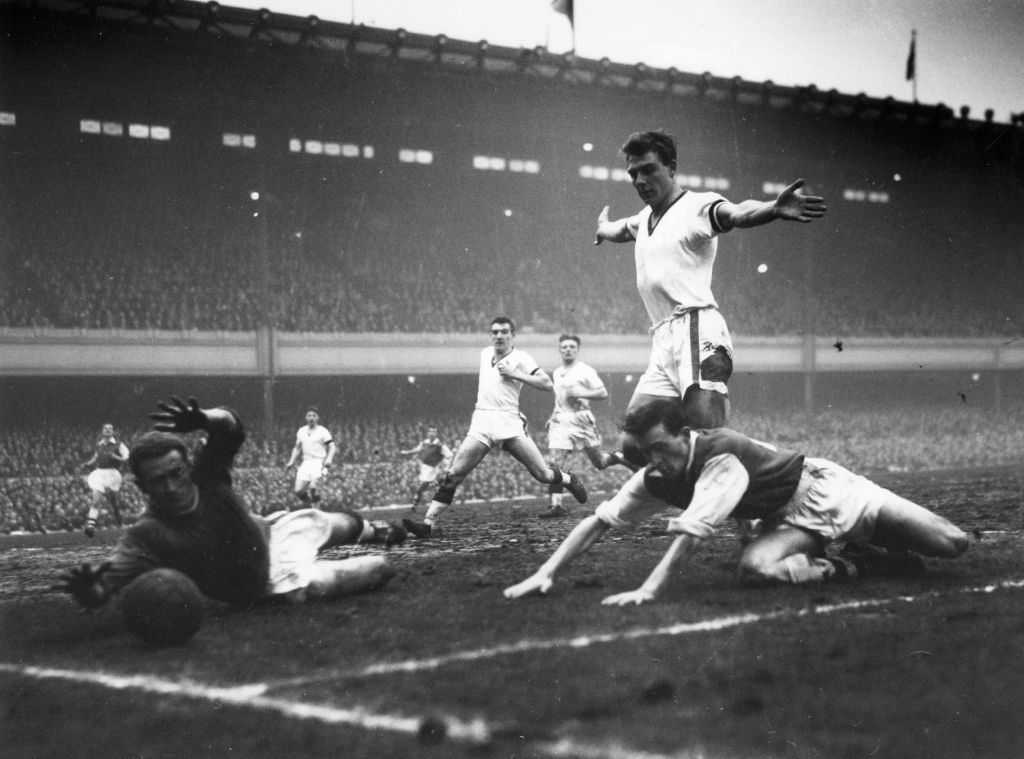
(676, 236)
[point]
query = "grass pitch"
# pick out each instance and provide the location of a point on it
(439, 664)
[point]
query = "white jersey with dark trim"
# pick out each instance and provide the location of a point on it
(498, 393)
(578, 376)
(674, 261)
(313, 442)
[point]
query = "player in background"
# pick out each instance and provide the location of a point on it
(315, 447)
(676, 236)
(572, 426)
(104, 481)
(196, 523)
(434, 457)
(806, 505)
(497, 421)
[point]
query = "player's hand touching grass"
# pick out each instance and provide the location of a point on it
(632, 598)
(540, 584)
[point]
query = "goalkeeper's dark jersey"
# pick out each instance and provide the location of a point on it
(220, 545)
(774, 473)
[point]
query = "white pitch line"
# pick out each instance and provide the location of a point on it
(475, 732)
(584, 641)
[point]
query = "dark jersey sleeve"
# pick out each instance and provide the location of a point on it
(215, 457)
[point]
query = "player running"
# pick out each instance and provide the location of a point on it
(104, 481)
(805, 506)
(497, 421)
(434, 457)
(572, 426)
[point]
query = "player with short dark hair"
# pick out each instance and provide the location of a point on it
(315, 446)
(572, 426)
(104, 481)
(676, 236)
(497, 421)
(195, 522)
(816, 520)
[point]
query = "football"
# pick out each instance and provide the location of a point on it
(163, 607)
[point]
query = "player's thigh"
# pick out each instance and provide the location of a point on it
(903, 524)
(526, 452)
(470, 453)
(776, 544)
(557, 456)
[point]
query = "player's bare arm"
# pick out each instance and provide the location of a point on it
(719, 488)
(539, 380)
(790, 205)
(582, 537)
(612, 231)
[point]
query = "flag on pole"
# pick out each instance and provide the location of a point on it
(912, 57)
(564, 7)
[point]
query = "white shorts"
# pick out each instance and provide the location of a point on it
(104, 480)
(309, 471)
(490, 427)
(573, 431)
(676, 361)
(429, 473)
(294, 541)
(833, 503)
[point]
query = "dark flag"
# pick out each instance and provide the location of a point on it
(564, 7)
(912, 57)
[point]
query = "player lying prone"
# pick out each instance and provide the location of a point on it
(806, 509)
(196, 523)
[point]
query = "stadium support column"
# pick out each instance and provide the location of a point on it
(809, 360)
(266, 339)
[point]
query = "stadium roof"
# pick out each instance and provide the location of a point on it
(223, 24)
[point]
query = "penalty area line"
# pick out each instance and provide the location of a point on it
(585, 641)
(476, 732)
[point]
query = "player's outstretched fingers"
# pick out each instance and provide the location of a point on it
(531, 585)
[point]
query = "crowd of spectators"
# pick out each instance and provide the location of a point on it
(349, 267)
(42, 486)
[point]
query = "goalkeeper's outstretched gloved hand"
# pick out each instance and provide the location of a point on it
(179, 417)
(85, 584)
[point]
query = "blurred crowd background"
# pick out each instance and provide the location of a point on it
(42, 482)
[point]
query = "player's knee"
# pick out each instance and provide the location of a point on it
(717, 367)
(303, 495)
(753, 571)
(705, 409)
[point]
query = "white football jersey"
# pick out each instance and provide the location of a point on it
(495, 392)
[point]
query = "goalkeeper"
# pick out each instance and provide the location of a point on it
(195, 522)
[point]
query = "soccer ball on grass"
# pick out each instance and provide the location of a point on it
(163, 607)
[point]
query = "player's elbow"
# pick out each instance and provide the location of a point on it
(953, 543)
